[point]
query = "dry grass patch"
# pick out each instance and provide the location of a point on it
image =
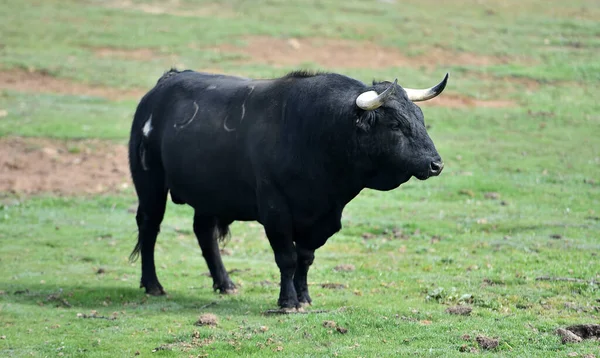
(21, 80)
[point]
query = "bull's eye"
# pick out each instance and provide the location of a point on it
(396, 126)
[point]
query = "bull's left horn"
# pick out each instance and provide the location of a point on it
(371, 100)
(417, 95)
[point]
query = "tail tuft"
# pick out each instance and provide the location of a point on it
(135, 254)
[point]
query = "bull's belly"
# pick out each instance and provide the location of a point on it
(218, 197)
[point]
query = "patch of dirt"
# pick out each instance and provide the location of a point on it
(94, 315)
(338, 53)
(35, 165)
(185, 346)
(459, 310)
(458, 101)
(511, 83)
(492, 195)
(139, 54)
(486, 342)
(568, 336)
(42, 82)
(334, 286)
(344, 267)
(329, 324)
(172, 7)
(207, 319)
(341, 330)
(586, 331)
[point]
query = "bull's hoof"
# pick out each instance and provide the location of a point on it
(304, 304)
(155, 291)
(290, 303)
(304, 299)
(228, 288)
(228, 291)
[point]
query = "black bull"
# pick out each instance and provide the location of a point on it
(290, 153)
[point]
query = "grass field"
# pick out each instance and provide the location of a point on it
(519, 199)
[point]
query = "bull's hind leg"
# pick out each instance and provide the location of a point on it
(207, 230)
(152, 197)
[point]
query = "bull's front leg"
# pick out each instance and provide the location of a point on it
(277, 221)
(286, 259)
(305, 259)
(306, 244)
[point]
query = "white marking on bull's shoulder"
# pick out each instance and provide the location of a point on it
(181, 125)
(244, 103)
(195, 112)
(225, 125)
(147, 127)
(211, 87)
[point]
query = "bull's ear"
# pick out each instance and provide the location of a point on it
(366, 121)
(370, 100)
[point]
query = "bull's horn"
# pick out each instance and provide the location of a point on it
(371, 100)
(417, 95)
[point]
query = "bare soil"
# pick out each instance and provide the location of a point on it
(207, 319)
(586, 331)
(337, 53)
(42, 82)
(458, 101)
(568, 336)
(172, 7)
(34, 165)
(344, 268)
(138, 54)
(487, 342)
(459, 310)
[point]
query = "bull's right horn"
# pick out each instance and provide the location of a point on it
(417, 95)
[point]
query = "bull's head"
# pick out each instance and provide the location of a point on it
(396, 139)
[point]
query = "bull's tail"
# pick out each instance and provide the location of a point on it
(137, 158)
(146, 171)
(135, 254)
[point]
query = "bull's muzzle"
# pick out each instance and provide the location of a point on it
(435, 168)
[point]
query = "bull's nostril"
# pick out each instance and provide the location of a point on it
(436, 167)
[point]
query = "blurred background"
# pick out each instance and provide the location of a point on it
(517, 126)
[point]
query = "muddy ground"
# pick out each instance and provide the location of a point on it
(35, 165)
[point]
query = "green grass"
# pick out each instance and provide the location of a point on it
(453, 244)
